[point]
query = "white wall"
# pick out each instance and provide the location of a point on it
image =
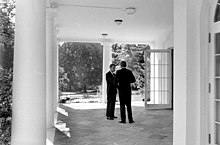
(193, 72)
(179, 124)
(187, 73)
(203, 72)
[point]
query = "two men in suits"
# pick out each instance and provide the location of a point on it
(125, 78)
(122, 80)
(111, 92)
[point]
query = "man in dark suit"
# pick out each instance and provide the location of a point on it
(125, 77)
(111, 92)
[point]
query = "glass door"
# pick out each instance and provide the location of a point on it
(158, 75)
(217, 90)
(214, 76)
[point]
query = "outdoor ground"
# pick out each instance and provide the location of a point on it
(86, 124)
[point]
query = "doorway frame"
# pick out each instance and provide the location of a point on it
(213, 30)
(169, 52)
(206, 21)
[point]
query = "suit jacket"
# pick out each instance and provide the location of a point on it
(125, 77)
(111, 84)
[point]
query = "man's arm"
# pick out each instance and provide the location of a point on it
(132, 78)
(109, 79)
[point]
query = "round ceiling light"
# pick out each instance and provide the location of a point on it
(118, 21)
(130, 10)
(104, 35)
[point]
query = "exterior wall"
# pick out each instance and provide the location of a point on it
(203, 72)
(193, 72)
(179, 120)
(189, 76)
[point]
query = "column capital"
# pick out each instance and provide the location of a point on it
(51, 14)
(106, 41)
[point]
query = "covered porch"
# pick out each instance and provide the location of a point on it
(41, 25)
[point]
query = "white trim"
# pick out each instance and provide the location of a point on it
(204, 71)
(217, 100)
(217, 122)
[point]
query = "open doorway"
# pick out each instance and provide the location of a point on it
(80, 72)
(159, 78)
(134, 55)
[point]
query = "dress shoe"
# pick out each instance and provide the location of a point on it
(131, 121)
(122, 122)
(115, 117)
(110, 118)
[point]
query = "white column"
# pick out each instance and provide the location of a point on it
(29, 84)
(180, 72)
(56, 78)
(107, 60)
(50, 69)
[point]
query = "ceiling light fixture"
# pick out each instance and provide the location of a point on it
(130, 10)
(118, 21)
(104, 35)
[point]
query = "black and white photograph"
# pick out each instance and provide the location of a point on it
(109, 72)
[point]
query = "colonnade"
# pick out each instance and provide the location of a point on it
(35, 84)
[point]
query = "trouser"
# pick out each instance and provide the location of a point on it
(125, 101)
(110, 105)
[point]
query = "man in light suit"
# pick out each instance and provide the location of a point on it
(125, 77)
(111, 92)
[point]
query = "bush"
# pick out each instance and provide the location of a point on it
(5, 106)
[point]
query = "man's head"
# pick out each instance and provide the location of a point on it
(123, 64)
(112, 67)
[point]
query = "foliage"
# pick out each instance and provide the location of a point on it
(82, 64)
(63, 80)
(134, 56)
(5, 105)
(7, 12)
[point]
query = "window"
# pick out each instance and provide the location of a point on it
(217, 88)
(217, 12)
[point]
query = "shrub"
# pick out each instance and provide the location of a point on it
(5, 105)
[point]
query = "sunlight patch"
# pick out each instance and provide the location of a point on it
(138, 103)
(62, 111)
(50, 136)
(62, 127)
(49, 142)
(84, 106)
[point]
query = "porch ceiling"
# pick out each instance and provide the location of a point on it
(86, 20)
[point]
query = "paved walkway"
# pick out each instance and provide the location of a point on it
(86, 124)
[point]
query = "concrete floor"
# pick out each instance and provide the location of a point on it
(86, 124)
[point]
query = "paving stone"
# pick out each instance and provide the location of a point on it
(90, 126)
(157, 136)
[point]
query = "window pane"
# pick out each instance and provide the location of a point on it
(217, 66)
(217, 88)
(217, 111)
(217, 43)
(217, 14)
(217, 134)
(217, 52)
